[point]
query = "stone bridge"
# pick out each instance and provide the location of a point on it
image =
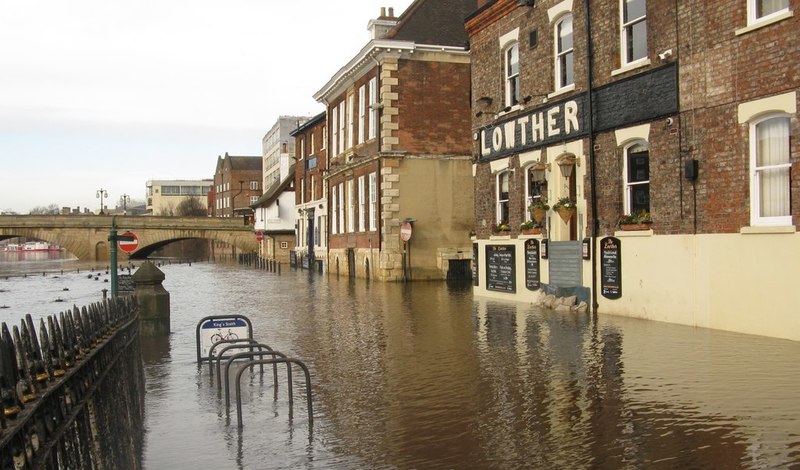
(86, 236)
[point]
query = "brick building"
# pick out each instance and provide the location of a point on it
(237, 185)
(685, 111)
(310, 192)
(399, 149)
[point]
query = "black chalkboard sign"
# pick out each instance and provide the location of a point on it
(611, 268)
(293, 259)
(475, 280)
(500, 269)
(532, 264)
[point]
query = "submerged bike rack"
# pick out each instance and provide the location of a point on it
(243, 343)
(247, 365)
(252, 355)
(238, 327)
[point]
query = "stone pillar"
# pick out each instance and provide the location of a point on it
(153, 300)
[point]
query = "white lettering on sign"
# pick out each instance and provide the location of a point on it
(559, 120)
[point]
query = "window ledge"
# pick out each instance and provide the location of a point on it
(631, 66)
(764, 22)
(499, 237)
(561, 91)
(633, 233)
(756, 230)
(516, 107)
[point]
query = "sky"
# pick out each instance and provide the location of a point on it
(108, 94)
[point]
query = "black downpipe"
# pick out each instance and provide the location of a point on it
(592, 167)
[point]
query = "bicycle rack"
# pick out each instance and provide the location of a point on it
(282, 360)
(251, 345)
(242, 325)
(223, 343)
(250, 355)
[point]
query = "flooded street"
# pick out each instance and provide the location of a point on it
(426, 376)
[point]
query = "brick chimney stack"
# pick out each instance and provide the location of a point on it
(379, 27)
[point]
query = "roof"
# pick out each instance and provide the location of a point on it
(439, 22)
(244, 163)
(308, 124)
(274, 191)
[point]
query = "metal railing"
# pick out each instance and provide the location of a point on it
(72, 392)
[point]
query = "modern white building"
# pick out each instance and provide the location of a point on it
(163, 196)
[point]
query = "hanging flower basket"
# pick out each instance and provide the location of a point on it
(565, 207)
(538, 213)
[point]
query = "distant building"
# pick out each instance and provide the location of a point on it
(278, 149)
(237, 185)
(163, 196)
(310, 192)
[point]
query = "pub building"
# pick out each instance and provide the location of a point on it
(673, 142)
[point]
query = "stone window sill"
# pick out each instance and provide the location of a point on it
(764, 22)
(632, 66)
(760, 230)
(633, 233)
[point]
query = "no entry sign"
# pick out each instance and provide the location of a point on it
(259, 236)
(129, 242)
(405, 232)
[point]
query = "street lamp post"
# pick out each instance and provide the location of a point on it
(124, 199)
(102, 193)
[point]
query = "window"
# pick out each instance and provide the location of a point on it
(564, 53)
(342, 118)
(313, 188)
(535, 187)
(634, 30)
(334, 210)
(350, 123)
(341, 207)
(334, 129)
(512, 74)
(361, 203)
(362, 108)
(373, 200)
(302, 147)
(373, 113)
(302, 191)
(324, 137)
(253, 200)
(770, 167)
(254, 185)
(503, 182)
(351, 207)
(637, 178)
(763, 9)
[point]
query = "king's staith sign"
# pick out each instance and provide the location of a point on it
(542, 126)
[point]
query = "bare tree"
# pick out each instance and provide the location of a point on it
(48, 210)
(191, 207)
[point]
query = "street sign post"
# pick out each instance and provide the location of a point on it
(405, 232)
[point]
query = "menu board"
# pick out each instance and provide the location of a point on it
(500, 271)
(475, 271)
(611, 268)
(532, 264)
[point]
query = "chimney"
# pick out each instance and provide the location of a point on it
(379, 27)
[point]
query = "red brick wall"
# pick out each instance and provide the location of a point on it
(434, 107)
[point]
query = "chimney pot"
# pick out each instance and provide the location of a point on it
(391, 12)
(383, 12)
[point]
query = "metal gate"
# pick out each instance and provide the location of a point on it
(565, 264)
(459, 269)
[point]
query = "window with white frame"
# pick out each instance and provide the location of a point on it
(633, 31)
(302, 147)
(334, 129)
(564, 53)
(362, 109)
(535, 186)
(324, 138)
(512, 74)
(760, 10)
(361, 203)
(342, 121)
(334, 210)
(503, 184)
(351, 207)
(373, 200)
(373, 112)
(770, 168)
(302, 190)
(341, 207)
(350, 121)
(637, 177)
(253, 200)
(311, 149)
(254, 185)
(313, 195)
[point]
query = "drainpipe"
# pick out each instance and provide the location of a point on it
(592, 166)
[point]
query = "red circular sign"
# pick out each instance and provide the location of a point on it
(259, 236)
(405, 232)
(129, 246)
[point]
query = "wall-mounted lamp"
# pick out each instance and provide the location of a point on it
(484, 100)
(537, 171)
(567, 163)
(376, 105)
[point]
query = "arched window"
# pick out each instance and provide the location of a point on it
(564, 52)
(503, 185)
(770, 167)
(511, 61)
(637, 177)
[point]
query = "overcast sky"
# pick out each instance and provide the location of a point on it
(108, 93)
